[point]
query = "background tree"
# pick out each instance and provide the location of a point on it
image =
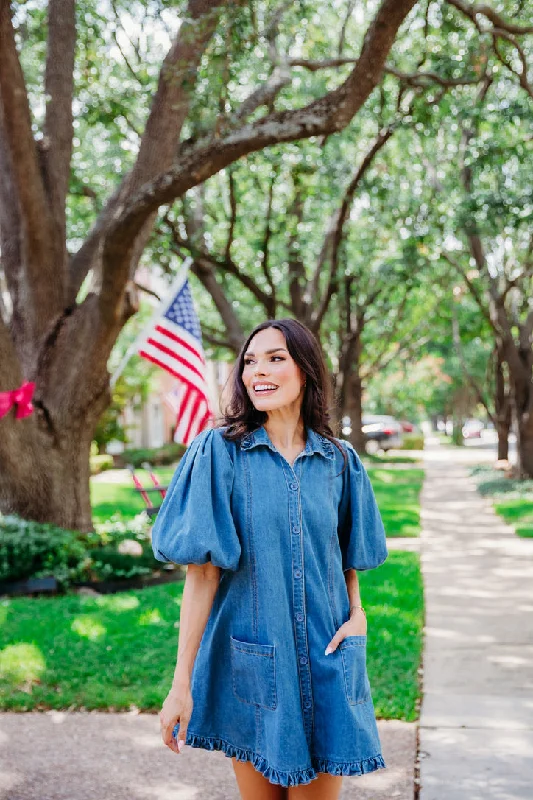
(85, 106)
(192, 130)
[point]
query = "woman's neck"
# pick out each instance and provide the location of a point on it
(285, 431)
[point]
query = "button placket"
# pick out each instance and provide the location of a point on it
(298, 583)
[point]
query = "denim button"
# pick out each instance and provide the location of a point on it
(293, 486)
(300, 617)
(303, 659)
(297, 573)
(308, 704)
(296, 529)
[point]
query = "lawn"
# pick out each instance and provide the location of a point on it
(397, 492)
(118, 651)
(512, 498)
(518, 513)
(121, 498)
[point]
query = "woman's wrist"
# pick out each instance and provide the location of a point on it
(354, 608)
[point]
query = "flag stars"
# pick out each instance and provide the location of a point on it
(181, 312)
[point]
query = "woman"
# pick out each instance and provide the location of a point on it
(274, 516)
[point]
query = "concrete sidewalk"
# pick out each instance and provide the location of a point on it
(476, 725)
(92, 756)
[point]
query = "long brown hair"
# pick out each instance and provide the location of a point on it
(241, 416)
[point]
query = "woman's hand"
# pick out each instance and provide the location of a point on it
(355, 626)
(176, 708)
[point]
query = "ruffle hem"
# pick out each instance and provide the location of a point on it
(294, 777)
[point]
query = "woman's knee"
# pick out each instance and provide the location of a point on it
(325, 787)
(254, 786)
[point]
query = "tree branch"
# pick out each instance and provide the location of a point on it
(10, 236)
(38, 280)
(265, 265)
(159, 142)
(480, 9)
(264, 94)
(11, 373)
(522, 76)
(58, 129)
(328, 114)
(334, 235)
(203, 267)
(342, 37)
(424, 79)
(233, 214)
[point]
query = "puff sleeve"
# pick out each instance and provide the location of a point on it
(194, 524)
(361, 533)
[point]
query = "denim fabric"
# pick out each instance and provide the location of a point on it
(263, 690)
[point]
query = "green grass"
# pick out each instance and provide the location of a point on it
(512, 497)
(386, 459)
(398, 496)
(118, 651)
(121, 498)
(518, 513)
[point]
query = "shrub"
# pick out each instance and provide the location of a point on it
(35, 550)
(412, 441)
(101, 463)
(115, 549)
(157, 456)
(107, 560)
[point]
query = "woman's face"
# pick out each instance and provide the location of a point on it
(271, 376)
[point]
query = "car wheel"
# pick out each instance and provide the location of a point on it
(372, 447)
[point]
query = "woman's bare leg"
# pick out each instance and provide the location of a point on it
(325, 787)
(254, 786)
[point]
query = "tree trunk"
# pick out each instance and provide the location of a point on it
(503, 407)
(524, 417)
(525, 445)
(51, 482)
(354, 409)
(44, 457)
(503, 443)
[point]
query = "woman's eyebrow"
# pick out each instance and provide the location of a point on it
(267, 352)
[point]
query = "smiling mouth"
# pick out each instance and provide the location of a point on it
(266, 389)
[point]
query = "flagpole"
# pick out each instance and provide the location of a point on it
(160, 310)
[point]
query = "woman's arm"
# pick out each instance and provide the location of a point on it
(201, 584)
(356, 625)
(354, 595)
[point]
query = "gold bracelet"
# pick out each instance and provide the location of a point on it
(361, 607)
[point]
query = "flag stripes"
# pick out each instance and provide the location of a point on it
(174, 344)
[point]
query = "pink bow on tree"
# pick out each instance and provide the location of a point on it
(20, 398)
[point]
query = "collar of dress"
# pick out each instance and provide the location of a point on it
(315, 443)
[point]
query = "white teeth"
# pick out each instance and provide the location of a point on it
(263, 387)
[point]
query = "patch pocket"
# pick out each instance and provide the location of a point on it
(353, 653)
(253, 668)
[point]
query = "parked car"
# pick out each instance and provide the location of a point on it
(407, 427)
(472, 429)
(381, 432)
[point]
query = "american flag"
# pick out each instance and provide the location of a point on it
(175, 343)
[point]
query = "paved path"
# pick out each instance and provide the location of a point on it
(476, 726)
(91, 756)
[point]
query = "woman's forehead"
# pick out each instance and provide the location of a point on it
(266, 340)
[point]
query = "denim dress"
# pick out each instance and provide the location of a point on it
(263, 690)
